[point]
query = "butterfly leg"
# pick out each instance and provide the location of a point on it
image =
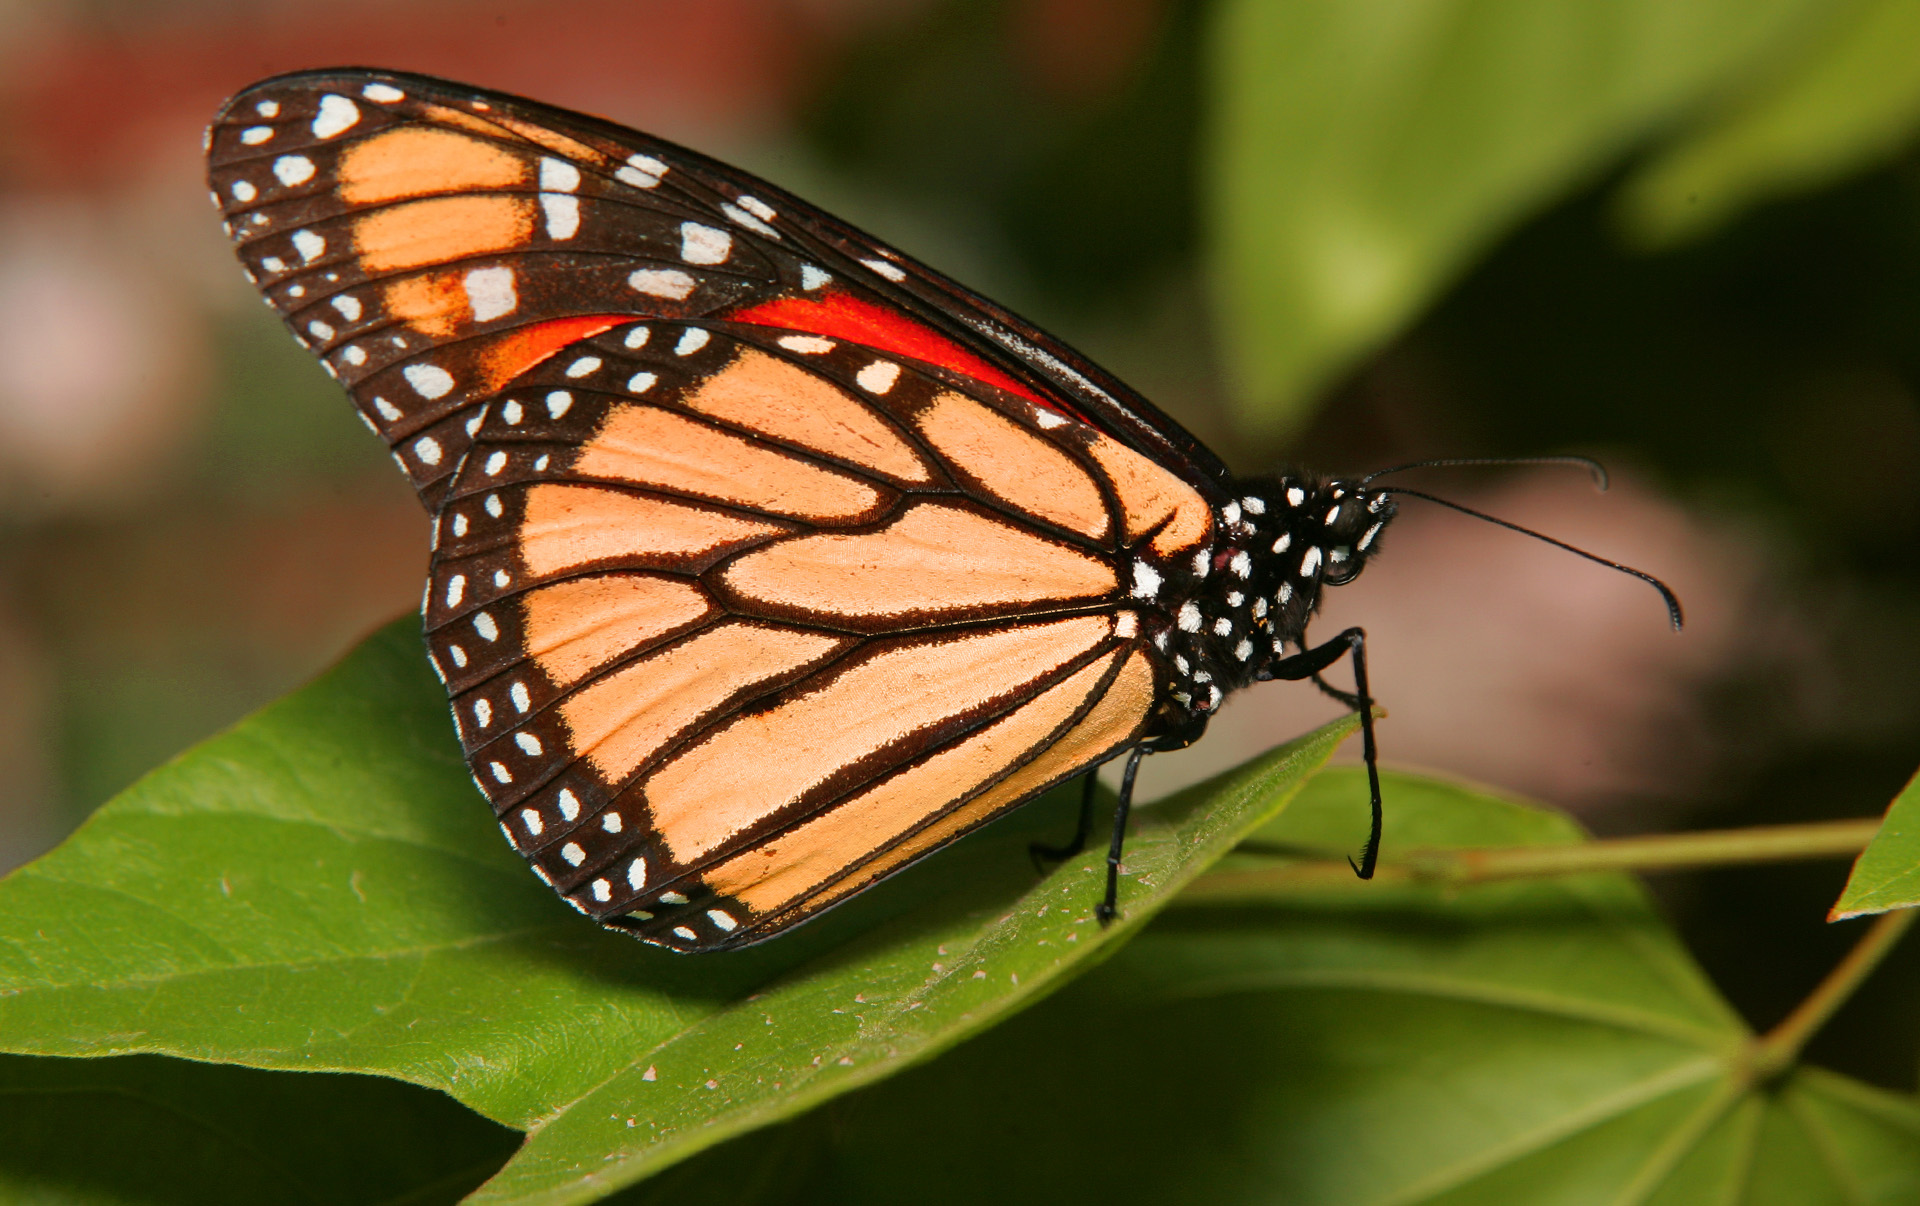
(1044, 854)
(1308, 663)
(1345, 698)
(1106, 910)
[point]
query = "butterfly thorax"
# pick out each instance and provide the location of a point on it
(1247, 598)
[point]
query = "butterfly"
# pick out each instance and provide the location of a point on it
(766, 559)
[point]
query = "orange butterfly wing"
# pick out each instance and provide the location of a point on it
(748, 589)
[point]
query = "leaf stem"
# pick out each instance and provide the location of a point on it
(1656, 852)
(1774, 1052)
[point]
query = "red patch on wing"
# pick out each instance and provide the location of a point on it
(515, 352)
(840, 315)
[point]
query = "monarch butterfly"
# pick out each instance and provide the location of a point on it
(766, 560)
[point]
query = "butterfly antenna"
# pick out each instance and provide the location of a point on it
(1592, 466)
(1667, 595)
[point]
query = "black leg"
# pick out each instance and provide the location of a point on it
(1345, 698)
(1044, 854)
(1106, 910)
(1308, 663)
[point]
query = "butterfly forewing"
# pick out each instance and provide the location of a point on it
(765, 561)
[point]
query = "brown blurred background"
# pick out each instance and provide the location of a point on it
(192, 522)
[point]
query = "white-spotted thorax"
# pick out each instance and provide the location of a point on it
(1243, 603)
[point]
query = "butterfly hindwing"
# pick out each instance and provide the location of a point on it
(626, 632)
(766, 560)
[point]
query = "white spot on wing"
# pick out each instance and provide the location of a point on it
(1146, 580)
(892, 272)
(558, 176)
(528, 743)
(268, 108)
(610, 821)
(242, 191)
(293, 169)
(532, 821)
(569, 804)
(385, 94)
(456, 591)
(310, 245)
(337, 115)
(253, 136)
(602, 891)
(490, 293)
(670, 283)
(388, 410)
(812, 345)
(558, 403)
(640, 383)
(512, 412)
(641, 171)
(427, 450)
(723, 919)
(428, 380)
(583, 366)
(484, 625)
(637, 874)
(812, 278)
(1189, 618)
(691, 340)
(573, 854)
(703, 244)
(348, 306)
(741, 217)
(637, 337)
(562, 214)
(878, 377)
(482, 713)
(495, 463)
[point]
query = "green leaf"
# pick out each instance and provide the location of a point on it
(1849, 99)
(322, 889)
(1363, 152)
(1887, 873)
(152, 1130)
(1544, 1041)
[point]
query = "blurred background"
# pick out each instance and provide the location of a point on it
(1680, 236)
